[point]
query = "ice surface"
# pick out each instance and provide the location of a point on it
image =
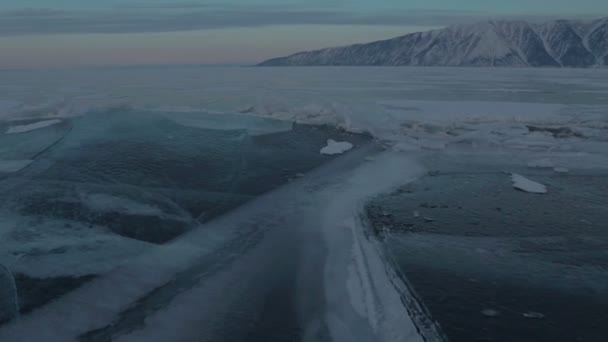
(9, 302)
(57, 248)
(417, 111)
(406, 147)
(8, 166)
(477, 257)
(7, 106)
(428, 108)
(542, 164)
(32, 126)
(336, 147)
(109, 203)
(227, 121)
(524, 184)
(360, 296)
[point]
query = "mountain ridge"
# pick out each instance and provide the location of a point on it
(491, 43)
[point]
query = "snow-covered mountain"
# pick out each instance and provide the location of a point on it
(559, 43)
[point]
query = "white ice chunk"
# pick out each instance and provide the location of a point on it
(9, 166)
(490, 313)
(32, 126)
(524, 184)
(533, 314)
(336, 147)
(561, 170)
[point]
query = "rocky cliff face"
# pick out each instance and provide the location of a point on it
(559, 43)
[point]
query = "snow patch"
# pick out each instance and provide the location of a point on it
(524, 184)
(336, 147)
(373, 290)
(32, 126)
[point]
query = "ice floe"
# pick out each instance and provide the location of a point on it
(524, 184)
(336, 147)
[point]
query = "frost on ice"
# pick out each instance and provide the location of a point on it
(524, 184)
(32, 126)
(336, 147)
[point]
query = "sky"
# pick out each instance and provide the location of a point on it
(88, 33)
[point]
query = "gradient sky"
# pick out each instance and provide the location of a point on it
(66, 33)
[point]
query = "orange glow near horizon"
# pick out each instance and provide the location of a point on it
(221, 46)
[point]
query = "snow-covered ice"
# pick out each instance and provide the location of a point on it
(416, 111)
(31, 127)
(363, 298)
(336, 147)
(524, 184)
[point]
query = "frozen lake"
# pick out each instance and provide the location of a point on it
(171, 204)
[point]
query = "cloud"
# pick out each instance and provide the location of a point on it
(194, 16)
(170, 5)
(31, 12)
